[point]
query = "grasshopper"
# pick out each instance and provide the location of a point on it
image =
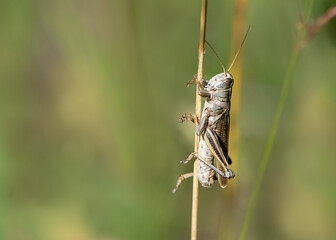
(213, 128)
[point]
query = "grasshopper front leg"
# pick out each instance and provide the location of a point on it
(204, 83)
(192, 80)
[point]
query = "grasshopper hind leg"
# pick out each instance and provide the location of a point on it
(181, 179)
(186, 175)
(219, 151)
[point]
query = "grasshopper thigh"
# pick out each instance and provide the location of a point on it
(217, 150)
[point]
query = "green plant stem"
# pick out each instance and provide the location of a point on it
(270, 141)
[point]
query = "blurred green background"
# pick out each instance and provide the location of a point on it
(90, 144)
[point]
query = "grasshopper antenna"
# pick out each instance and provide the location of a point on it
(213, 50)
(241, 45)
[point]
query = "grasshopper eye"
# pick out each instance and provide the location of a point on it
(228, 82)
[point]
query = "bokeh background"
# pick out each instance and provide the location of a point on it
(90, 144)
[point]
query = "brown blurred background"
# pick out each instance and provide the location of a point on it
(90, 144)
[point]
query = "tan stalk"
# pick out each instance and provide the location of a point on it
(198, 114)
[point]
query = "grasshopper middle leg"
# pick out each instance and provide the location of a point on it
(189, 117)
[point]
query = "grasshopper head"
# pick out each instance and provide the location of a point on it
(224, 81)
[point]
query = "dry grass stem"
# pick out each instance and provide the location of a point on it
(198, 114)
